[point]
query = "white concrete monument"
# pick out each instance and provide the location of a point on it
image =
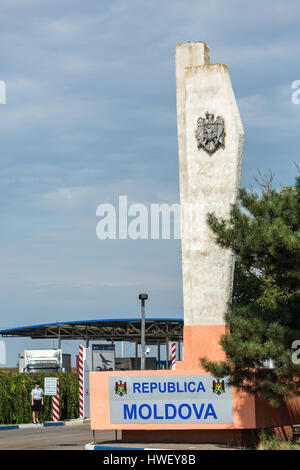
(210, 141)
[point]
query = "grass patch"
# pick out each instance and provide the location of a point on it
(268, 440)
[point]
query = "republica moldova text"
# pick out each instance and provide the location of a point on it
(171, 411)
(161, 406)
(167, 387)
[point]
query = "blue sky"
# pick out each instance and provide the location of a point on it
(91, 115)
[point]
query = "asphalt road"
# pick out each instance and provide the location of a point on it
(75, 437)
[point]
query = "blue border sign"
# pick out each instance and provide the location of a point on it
(177, 399)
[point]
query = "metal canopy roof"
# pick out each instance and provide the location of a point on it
(157, 330)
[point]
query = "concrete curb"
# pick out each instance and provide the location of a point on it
(25, 426)
(70, 422)
(104, 447)
(92, 446)
(9, 426)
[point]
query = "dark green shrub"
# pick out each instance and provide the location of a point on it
(15, 398)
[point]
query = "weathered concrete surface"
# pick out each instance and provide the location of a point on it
(186, 55)
(208, 183)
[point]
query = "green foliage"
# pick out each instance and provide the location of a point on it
(263, 231)
(271, 294)
(15, 398)
(247, 286)
(263, 320)
(268, 440)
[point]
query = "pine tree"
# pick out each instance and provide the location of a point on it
(263, 320)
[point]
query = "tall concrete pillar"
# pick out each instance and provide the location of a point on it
(210, 143)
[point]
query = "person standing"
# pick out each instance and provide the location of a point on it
(37, 400)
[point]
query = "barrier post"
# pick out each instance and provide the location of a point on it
(80, 365)
(173, 356)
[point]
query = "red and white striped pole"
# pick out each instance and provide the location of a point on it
(173, 356)
(55, 404)
(80, 366)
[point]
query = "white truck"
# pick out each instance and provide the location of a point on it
(42, 360)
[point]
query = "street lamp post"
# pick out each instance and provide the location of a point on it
(142, 298)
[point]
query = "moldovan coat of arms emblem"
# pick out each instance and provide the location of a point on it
(120, 388)
(210, 134)
(218, 386)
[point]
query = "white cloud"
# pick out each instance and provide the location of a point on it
(71, 197)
